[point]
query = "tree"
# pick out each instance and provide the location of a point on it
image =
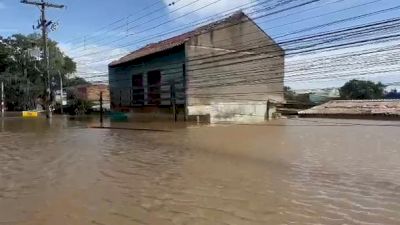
(362, 89)
(22, 72)
(4, 56)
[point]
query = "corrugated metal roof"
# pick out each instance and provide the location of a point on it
(356, 107)
(177, 40)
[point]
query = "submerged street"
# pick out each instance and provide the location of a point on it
(283, 172)
(200, 112)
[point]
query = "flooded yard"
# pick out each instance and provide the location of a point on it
(301, 171)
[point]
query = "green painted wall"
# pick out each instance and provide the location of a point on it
(169, 63)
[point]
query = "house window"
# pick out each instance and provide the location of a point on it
(154, 87)
(137, 89)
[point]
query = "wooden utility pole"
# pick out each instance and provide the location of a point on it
(44, 24)
(173, 101)
(101, 109)
(267, 117)
(27, 96)
(2, 99)
(61, 93)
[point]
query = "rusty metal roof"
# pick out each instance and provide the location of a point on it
(177, 40)
(356, 107)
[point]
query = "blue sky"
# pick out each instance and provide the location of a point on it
(80, 21)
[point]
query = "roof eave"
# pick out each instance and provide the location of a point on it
(121, 62)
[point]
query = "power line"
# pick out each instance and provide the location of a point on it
(269, 78)
(352, 43)
(137, 20)
(284, 35)
(269, 14)
(155, 19)
(355, 30)
(202, 22)
(122, 19)
(274, 79)
(296, 71)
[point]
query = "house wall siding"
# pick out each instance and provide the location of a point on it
(236, 65)
(170, 64)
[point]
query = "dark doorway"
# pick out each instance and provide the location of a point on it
(137, 89)
(154, 87)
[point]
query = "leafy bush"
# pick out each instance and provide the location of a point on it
(78, 105)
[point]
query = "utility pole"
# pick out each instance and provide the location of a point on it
(2, 99)
(173, 101)
(61, 93)
(27, 95)
(44, 24)
(101, 109)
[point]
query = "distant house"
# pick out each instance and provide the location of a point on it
(228, 70)
(355, 108)
(91, 92)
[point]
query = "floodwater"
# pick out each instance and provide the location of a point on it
(284, 172)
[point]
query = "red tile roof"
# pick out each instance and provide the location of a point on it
(176, 41)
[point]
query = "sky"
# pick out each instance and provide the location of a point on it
(95, 32)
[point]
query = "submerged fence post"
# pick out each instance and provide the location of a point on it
(101, 109)
(268, 109)
(120, 98)
(130, 97)
(173, 102)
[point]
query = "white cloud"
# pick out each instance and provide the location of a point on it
(92, 63)
(211, 7)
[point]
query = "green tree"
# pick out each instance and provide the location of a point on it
(4, 56)
(23, 74)
(362, 89)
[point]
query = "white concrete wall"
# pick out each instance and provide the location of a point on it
(250, 112)
(235, 112)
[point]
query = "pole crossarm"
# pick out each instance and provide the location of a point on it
(43, 4)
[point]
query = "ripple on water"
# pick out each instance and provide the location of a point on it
(199, 176)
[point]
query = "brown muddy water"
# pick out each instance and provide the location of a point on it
(283, 172)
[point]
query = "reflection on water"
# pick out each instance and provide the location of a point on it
(288, 172)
